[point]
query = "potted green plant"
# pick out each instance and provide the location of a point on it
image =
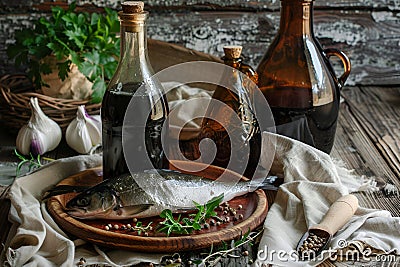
(80, 48)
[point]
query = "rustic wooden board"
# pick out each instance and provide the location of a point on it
(371, 39)
(254, 212)
(368, 105)
(5, 205)
(217, 4)
(358, 151)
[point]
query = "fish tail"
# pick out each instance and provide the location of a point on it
(270, 183)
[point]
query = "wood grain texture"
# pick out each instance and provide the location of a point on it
(5, 205)
(368, 106)
(371, 39)
(358, 143)
(256, 5)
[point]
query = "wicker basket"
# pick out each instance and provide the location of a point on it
(15, 109)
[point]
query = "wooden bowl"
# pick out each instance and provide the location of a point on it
(254, 211)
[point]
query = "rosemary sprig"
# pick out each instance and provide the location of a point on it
(34, 162)
(186, 225)
(139, 228)
(214, 257)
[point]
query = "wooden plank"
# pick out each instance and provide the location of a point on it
(268, 4)
(355, 148)
(369, 38)
(378, 111)
(359, 150)
(257, 5)
(5, 225)
(8, 25)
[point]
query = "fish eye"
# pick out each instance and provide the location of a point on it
(82, 202)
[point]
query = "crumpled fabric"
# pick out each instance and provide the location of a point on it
(36, 240)
(312, 183)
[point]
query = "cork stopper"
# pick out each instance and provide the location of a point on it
(233, 51)
(132, 7)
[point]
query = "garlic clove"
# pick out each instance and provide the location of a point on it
(50, 129)
(94, 128)
(84, 132)
(77, 137)
(40, 134)
(24, 139)
(95, 120)
(38, 144)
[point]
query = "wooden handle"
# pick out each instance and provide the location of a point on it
(338, 214)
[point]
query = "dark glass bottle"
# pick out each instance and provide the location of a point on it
(239, 142)
(298, 81)
(133, 72)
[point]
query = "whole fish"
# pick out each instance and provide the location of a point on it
(123, 198)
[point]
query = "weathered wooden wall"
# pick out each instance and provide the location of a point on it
(367, 30)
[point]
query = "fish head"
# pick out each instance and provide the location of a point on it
(92, 204)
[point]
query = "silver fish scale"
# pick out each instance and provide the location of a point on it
(162, 189)
(180, 190)
(172, 189)
(129, 192)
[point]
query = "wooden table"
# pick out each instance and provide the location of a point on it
(367, 140)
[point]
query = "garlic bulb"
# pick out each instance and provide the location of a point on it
(84, 132)
(40, 135)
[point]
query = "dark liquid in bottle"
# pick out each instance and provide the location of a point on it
(143, 141)
(236, 146)
(315, 126)
(242, 140)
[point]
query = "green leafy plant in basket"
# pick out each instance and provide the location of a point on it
(88, 41)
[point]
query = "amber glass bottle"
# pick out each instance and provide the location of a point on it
(239, 142)
(298, 81)
(134, 71)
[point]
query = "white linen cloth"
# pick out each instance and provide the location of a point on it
(312, 183)
(36, 240)
(185, 117)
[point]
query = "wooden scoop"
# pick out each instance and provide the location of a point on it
(318, 236)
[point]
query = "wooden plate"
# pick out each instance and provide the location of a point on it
(254, 211)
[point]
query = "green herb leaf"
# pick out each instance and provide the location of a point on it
(99, 88)
(196, 226)
(63, 69)
(197, 262)
(87, 40)
(33, 163)
(186, 225)
(166, 213)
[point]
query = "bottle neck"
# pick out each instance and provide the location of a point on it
(233, 62)
(134, 66)
(133, 44)
(296, 18)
